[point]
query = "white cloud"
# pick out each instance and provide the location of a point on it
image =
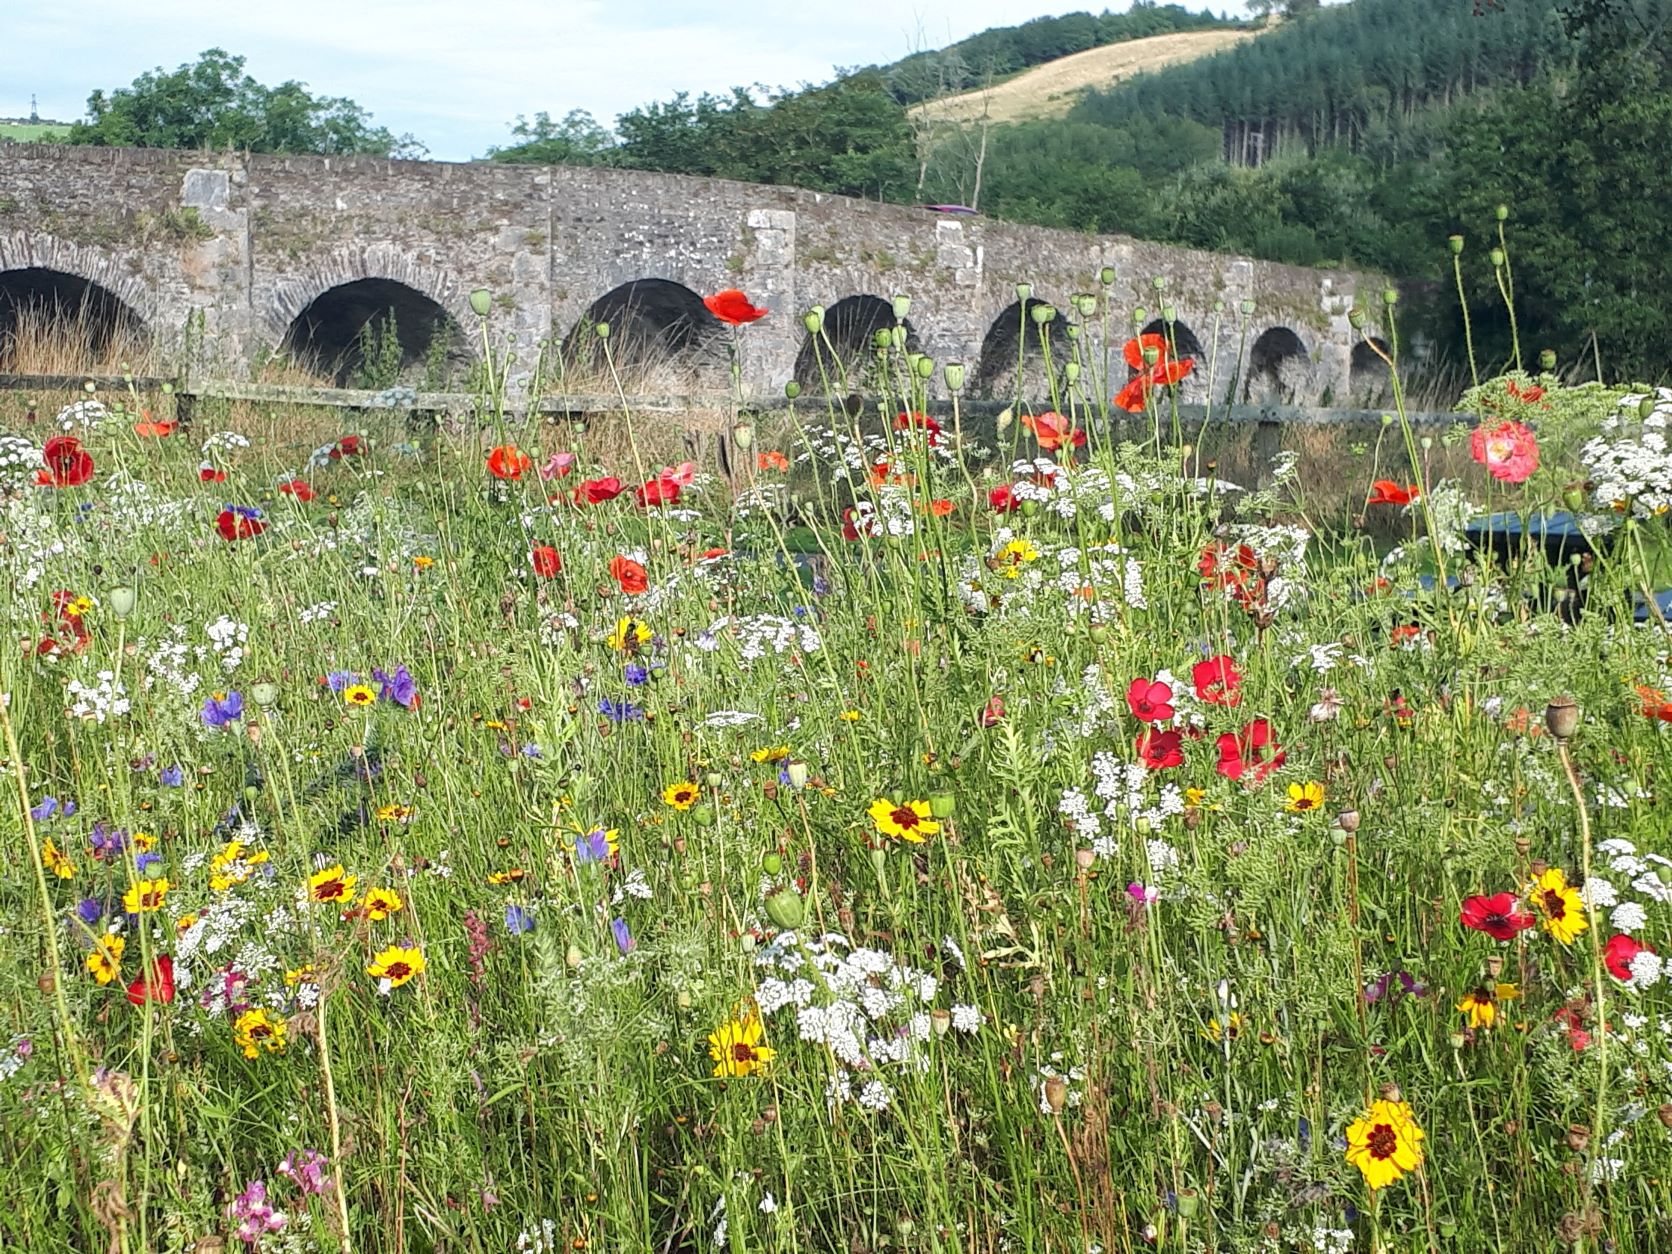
(455, 75)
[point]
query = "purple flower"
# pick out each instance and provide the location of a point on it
(255, 1218)
(1376, 990)
(400, 687)
(619, 711)
(221, 708)
(1143, 894)
(51, 806)
(518, 920)
(338, 681)
(530, 751)
(592, 847)
(172, 776)
(623, 938)
(636, 674)
(146, 862)
(306, 1170)
(821, 586)
(108, 842)
(89, 910)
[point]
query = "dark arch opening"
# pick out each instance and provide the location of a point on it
(1369, 379)
(1013, 337)
(376, 333)
(1193, 389)
(1278, 367)
(659, 330)
(57, 323)
(848, 342)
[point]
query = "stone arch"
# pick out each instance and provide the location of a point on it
(1193, 389)
(1369, 379)
(410, 336)
(1279, 368)
(847, 342)
(57, 322)
(1014, 336)
(661, 333)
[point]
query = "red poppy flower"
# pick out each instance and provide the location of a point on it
(597, 491)
(919, 422)
(1528, 395)
(66, 463)
(1499, 916)
(301, 489)
(208, 473)
(630, 575)
(1217, 681)
(1053, 431)
(507, 461)
(1618, 953)
(992, 714)
(732, 306)
(1164, 373)
(157, 987)
(239, 523)
(1150, 700)
(1387, 492)
(546, 560)
(850, 525)
(154, 428)
(1655, 703)
(1003, 500)
(772, 459)
(1252, 750)
(348, 446)
(940, 507)
(658, 492)
(1159, 750)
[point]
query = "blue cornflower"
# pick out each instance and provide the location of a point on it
(623, 938)
(172, 776)
(338, 681)
(636, 673)
(89, 910)
(593, 847)
(221, 708)
(518, 920)
(146, 862)
(619, 711)
(51, 806)
(399, 686)
(530, 751)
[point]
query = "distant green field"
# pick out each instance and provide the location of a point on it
(23, 132)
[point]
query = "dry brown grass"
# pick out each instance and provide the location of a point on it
(1050, 90)
(65, 342)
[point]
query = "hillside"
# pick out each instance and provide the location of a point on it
(31, 132)
(1052, 89)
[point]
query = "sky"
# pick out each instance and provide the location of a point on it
(456, 74)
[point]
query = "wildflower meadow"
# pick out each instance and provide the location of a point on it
(926, 832)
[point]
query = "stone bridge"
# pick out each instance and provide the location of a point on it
(233, 258)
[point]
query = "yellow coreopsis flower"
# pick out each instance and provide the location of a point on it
(1231, 1027)
(909, 820)
(681, 796)
(1385, 1143)
(359, 694)
(56, 860)
(736, 1047)
(105, 961)
(1013, 556)
(257, 1032)
(380, 903)
(1305, 797)
(772, 753)
(630, 635)
(1561, 912)
(396, 965)
(1481, 1004)
(233, 865)
(145, 896)
(332, 886)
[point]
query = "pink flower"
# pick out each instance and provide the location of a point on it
(682, 474)
(1509, 451)
(557, 466)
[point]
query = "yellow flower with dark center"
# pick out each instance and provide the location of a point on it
(1013, 556)
(233, 865)
(332, 886)
(303, 974)
(380, 903)
(681, 796)
(1385, 1143)
(78, 606)
(736, 1047)
(909, 820)
(394, 813)
(512, 876)
(770, 754)
(630, 635)
(360, 694)
(145, 896)
(105, 962)
(1561, 912)
(143, 841)
(1481, 1004)
(396, 965)
(423, 561)
(1231, 1027)
(56, 860)
(1305, 797)
(257, 1032)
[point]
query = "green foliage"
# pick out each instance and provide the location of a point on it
(214, 104)
(380, 352)
(578, 139)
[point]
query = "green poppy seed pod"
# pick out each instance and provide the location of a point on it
(798, 773)
(897, 338)
(1497, 256)
(265, 693)
(773, 862)
(481, 301)
(89, 386)
(941, 1021)
(813, 320)
(879, 860)
(1547, 359)
(1159, 283)
(904, 1226)
(953, 373)
(1030, 508)
(1427, 443)
(1140, 315)
(602, 330)
(1218, 306)
(1152, 354)
(1073, 330)
(168, 389)
(1189, 1203)
(1573, 496)
(1086, 304)
(792, 389)
(1455, 243)
(1355, 318)
(743, 435)
(572, 955)
(1005, 418)
(880, 340)
(714, 779)
(1042, 313)
(1024, 291)
(704, 815)
(1169, 314)
(786, 909)
(121, 600)
(902, 307)
(943, 805)
(925, 367)
(1247, 306)
(1071, 371)
(1501, 213)
(1390, 296)
(1099, 633)
(1106, 276)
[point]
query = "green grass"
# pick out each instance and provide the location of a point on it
(31, 132)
